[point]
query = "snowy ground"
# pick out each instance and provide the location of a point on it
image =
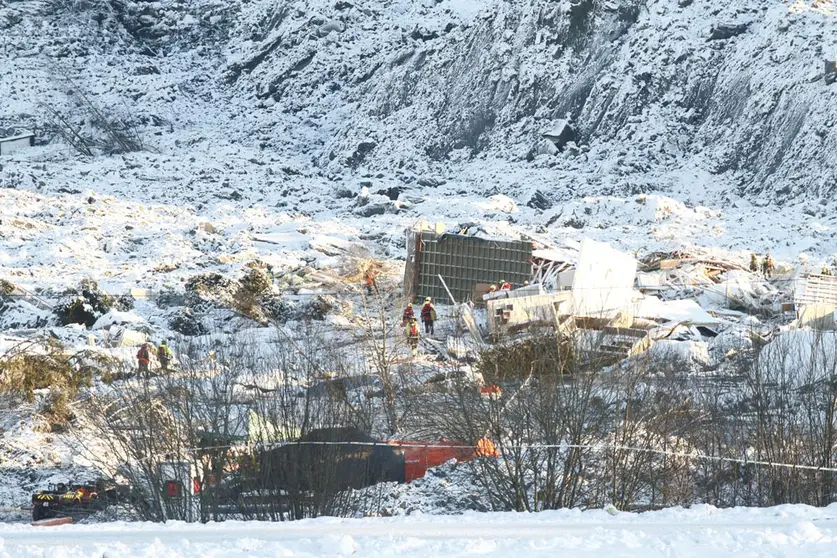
(232, 174)
(702, 531)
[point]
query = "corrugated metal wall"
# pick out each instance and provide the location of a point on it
(463, 261)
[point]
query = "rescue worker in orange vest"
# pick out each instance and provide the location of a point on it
(369, 279)
(408, 314)
(492, 289)
(413, 335)
(505, 286)
(428, 315)
(143, 357)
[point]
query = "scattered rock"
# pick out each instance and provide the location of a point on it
(575, 223)
(363, 149)
(376, 208)
(430, 182)
(560, 134)
(727, 31)
(424, 35)
(208, 228)
(343, 193)
(392, 192)
(546, 147)
(147, 70)
(330, 27)
(539, 201)
(830, 71)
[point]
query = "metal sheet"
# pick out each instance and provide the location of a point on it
(462, 261)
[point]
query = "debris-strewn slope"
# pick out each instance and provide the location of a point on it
(659, 92)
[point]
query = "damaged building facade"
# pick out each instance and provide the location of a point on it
(468, 264)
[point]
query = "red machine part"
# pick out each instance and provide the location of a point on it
(174, 489)
(420, 456)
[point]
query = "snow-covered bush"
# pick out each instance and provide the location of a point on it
(6, 287)
(317, 308)
(210, 290)
(185, 322)
(258, 279)
(84, 304)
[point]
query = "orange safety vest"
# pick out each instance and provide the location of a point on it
(142, 354)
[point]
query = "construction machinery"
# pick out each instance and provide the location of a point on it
(75, 500)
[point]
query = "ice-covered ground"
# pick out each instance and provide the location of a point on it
(702, 531)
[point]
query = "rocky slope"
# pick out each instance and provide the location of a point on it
(375, 113)
(654, 90)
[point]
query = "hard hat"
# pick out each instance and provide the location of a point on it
(427, 299)
(409, 305)
(163, 342)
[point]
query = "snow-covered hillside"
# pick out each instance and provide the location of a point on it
(293, 108)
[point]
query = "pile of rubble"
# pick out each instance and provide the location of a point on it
(619, 307)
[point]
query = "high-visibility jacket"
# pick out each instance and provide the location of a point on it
(428, 312)
(163, 351)
(412, 330)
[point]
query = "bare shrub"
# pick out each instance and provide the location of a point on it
(225, 412)
(101, 130)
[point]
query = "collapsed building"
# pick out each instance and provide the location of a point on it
(598, 303)
(618, 306)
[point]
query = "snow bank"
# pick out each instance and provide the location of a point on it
(786, 531)
(673, 310)
(116, 317)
